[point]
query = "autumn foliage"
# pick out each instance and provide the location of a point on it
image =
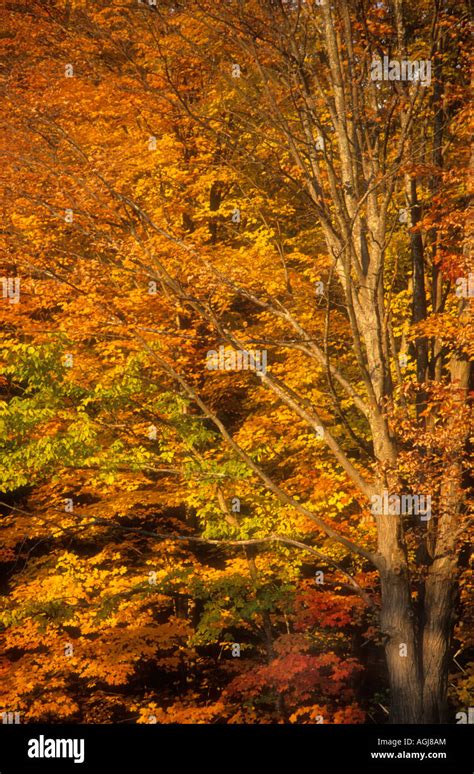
(157, 207)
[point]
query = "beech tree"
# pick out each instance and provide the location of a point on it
(235, 178)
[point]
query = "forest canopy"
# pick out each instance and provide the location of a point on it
(236, 320)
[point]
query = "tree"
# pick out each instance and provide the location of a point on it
(230, 186)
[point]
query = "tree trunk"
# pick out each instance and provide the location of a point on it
(441, 586)
(397, 623)
(439, 607)
(401, 652)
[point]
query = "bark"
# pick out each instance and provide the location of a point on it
(397, 623)
(401, 651)
(441, 586)
(419, 292)
(439, 607)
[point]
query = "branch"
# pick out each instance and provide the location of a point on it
(221, 542)
(269, 483)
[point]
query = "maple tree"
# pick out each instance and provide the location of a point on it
(190, 544)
